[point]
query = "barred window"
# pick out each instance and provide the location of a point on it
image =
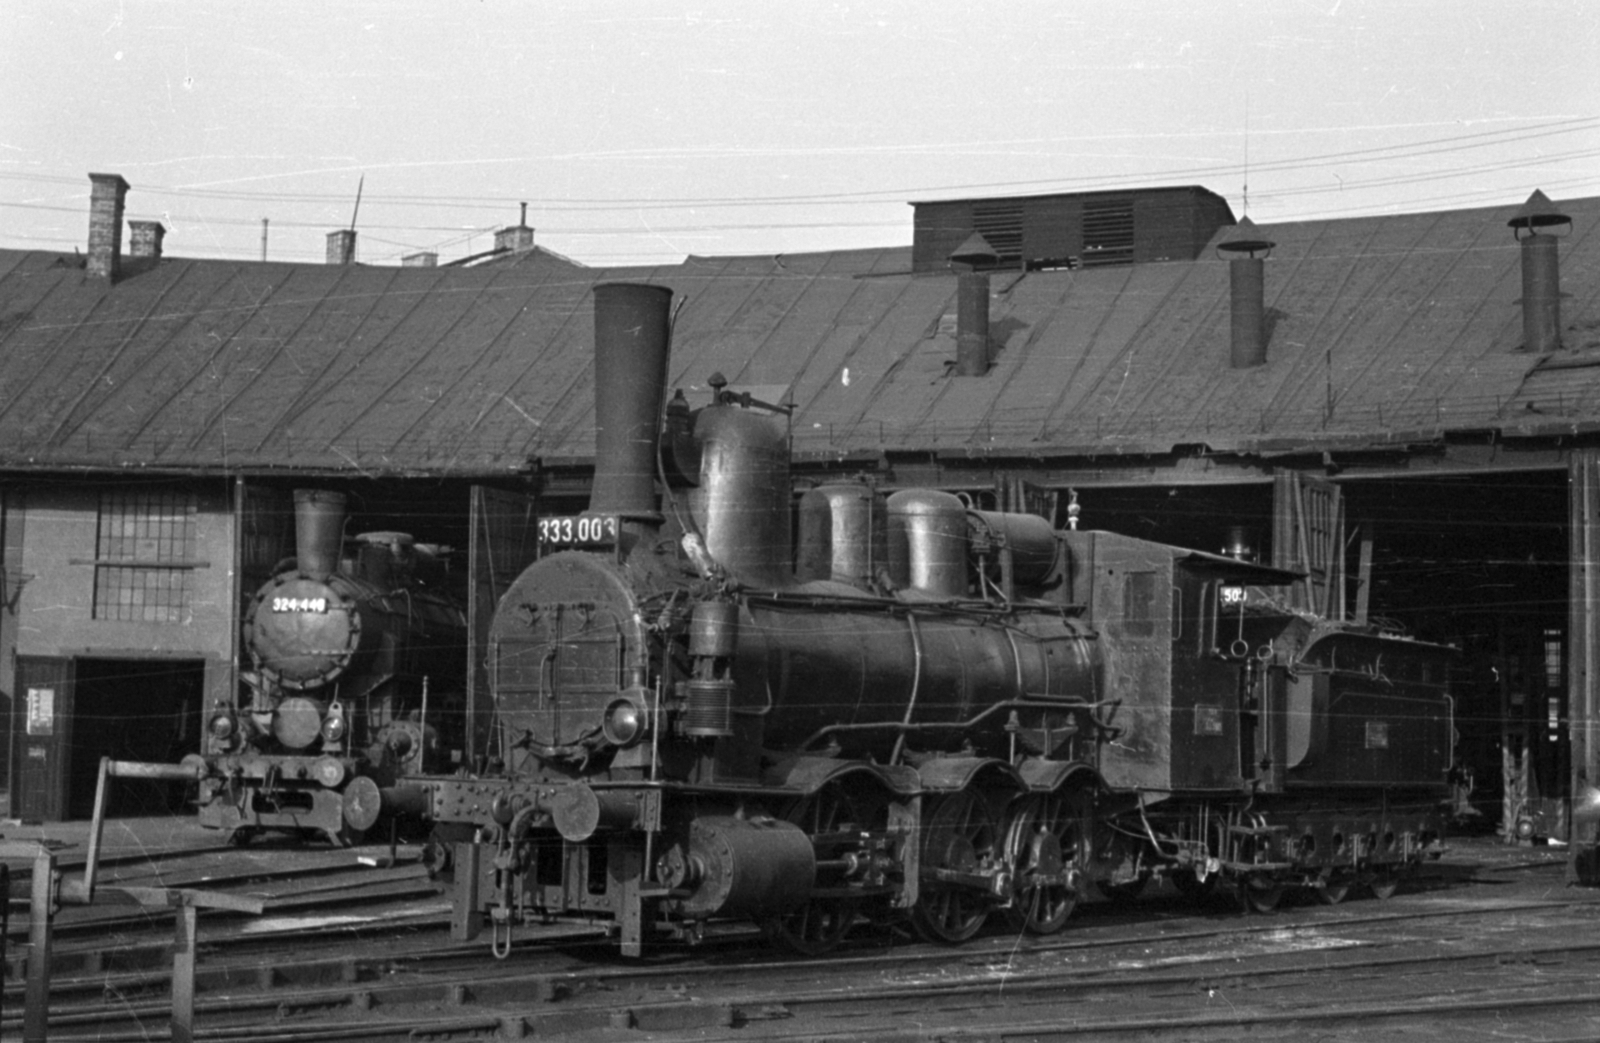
(145, 556)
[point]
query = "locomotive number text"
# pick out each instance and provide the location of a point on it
(586, 530)
(299, 604)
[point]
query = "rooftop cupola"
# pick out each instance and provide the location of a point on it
(1536, 226)
(1247, 252)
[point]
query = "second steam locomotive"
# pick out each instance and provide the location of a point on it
(349, 643)
(908, 708)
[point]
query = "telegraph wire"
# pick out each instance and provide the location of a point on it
(1385, 153)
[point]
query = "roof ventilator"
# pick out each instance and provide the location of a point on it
(1247, 279)
(1541, 271)
(973, 354)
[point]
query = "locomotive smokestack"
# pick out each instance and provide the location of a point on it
(318, 531)
(630, 375)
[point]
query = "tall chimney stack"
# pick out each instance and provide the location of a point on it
(108, 194)
(1541, 271)
(1247, 278)
(342, 246)
(630, 375)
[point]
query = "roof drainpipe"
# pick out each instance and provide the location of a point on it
(1541, 272)
(973, 351)
(631, 343)
(1247, 279)
(107, 195)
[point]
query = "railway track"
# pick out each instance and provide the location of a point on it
(1156, 969)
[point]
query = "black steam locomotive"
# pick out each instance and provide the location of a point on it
(358, 669)
(914, 709)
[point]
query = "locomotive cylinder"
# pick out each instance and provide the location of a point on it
(741, 867)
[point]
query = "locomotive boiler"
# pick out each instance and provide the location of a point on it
(357, 670)
(906, 709)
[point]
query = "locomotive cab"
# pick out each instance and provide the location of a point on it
(1190, 656)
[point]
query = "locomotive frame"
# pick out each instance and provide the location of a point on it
(927, 712)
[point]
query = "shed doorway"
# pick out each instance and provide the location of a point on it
(133, 710)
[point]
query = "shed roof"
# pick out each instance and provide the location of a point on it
(1383, 330)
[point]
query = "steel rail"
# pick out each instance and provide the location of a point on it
(469, 985)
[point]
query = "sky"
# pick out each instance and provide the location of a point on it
(641, 132)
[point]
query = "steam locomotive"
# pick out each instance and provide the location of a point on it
(915, 709)
(358, 671)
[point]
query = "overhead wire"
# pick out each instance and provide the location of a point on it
(877, 197)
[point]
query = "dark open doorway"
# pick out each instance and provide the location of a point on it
(133, 710)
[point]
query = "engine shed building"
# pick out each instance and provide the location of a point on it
(1407, 407)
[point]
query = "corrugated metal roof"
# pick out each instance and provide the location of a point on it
(1388, 329)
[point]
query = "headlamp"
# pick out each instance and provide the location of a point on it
(626, 721)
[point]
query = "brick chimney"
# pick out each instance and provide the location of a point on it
(426, 259)
(516, 239)
(144, 238)
(342, 246)
(107, 195)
